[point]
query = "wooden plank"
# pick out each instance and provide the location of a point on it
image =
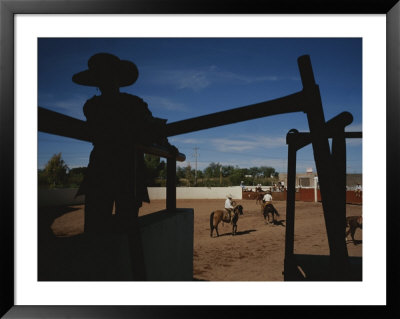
(287, 104)
(59, 124)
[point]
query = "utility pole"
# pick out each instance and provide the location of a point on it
(195, 165)
(188, 174)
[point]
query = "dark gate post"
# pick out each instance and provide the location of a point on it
(289, 264)
(339, 160)
(171, 184)
(322, 155)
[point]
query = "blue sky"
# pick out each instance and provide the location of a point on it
(181, 78)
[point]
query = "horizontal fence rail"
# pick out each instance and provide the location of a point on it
(59, 124)
(287, 104)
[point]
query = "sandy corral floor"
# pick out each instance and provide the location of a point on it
(256, 253)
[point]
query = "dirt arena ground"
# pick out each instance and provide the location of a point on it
(256, 253)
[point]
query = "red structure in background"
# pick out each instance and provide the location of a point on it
(351, 197)
(304, 195)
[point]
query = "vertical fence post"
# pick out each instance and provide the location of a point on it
(316, 189)
(289, 270)
(171, 184)
(339, 160)
(320, 144)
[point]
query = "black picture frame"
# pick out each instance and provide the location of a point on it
(9, 8)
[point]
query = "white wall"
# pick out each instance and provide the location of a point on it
(58, 197)
(197, 192)
(66, 196)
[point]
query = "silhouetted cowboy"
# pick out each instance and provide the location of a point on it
(116, 121)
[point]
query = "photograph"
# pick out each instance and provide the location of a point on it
(228, 106)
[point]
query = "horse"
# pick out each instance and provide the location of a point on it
(353, 222)
(269, 211)
(259, 198)
(221, 215)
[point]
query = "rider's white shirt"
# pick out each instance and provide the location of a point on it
(267, 198)
(228, 203)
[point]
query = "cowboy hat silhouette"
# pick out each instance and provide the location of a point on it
(106, 68)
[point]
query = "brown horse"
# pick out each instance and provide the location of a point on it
(259, 198)
(353, 222)
(218, 216)
(269, 212)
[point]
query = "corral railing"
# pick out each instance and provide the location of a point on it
(59, 124)
(331, 166)
(339, 267)
(165, 256)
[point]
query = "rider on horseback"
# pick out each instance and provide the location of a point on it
(267, 199)
(229, 206)
(267, 204)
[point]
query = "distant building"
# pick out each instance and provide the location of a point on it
(353, 179)
(308, 179)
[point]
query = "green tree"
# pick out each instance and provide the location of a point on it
(189, 173)
(154, 168)
(254, 171)
(236, 177)
(42, 179)
(245, 171)
(163, 171)
(200, 174)
(231, 176)
(227, 170)
(267, 171)
(55, 171)
(180, 172)
(76, 175)
(212, 170)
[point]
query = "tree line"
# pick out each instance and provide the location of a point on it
(216, 174)
(57, 174)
